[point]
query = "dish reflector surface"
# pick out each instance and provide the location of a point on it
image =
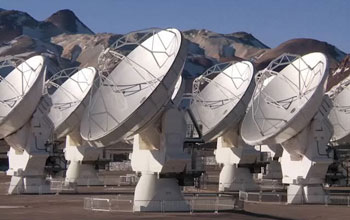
(70, 98)
(136, 90)
(20, 92)
(287, 103)
(221, 96)
(340, 113)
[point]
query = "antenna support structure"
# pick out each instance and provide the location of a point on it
(290, 108)
(138, 77)
(220, 98)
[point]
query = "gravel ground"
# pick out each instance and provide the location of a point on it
(70, 206)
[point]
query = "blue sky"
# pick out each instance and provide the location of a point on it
(271, 21)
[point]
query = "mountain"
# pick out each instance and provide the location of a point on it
(207, 48)
(82, 48)
(340, 72)
(26, 46)
(85, 48)
(16, 23)
(67, 22)
(69, 42)
(301, 46)
(225, 46)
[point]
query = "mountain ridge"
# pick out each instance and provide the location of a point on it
(66, 39)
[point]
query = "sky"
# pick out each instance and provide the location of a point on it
(270, 21)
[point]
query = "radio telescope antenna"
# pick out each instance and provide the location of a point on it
(220, 98)
(300, 92)
(68, 91)
(30, 116)
(134, 98)
(340, 113)
(137, 88)
(20, 91)
(291, 110)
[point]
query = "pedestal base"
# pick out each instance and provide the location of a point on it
(233, 178)
(82, 174)
(35, 185)
(27, 171)
(155, 195)
(300, 194)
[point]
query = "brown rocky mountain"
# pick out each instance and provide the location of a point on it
(69, 42)
(83, 48)
(340, 72)
(67, 22)
(225, 46)
(301, 46)
(16, 23)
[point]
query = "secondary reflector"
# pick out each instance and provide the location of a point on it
(20, 92)
(285, 105)
(137, 89)
(221, 96)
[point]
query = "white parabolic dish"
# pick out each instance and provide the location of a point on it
(20, 93)
(136, 90)
(222, 101)
(70, 99)
(340, 114)
(288, 102)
